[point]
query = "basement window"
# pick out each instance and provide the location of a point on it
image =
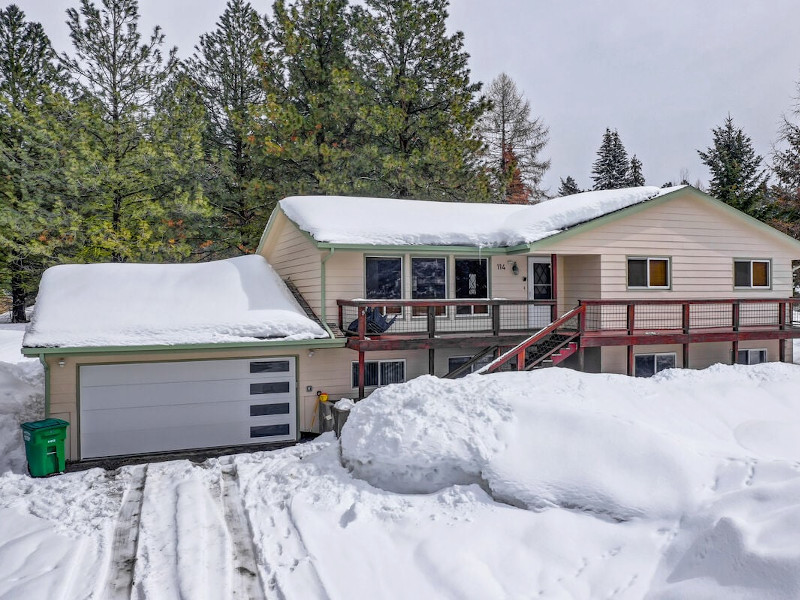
(751, 357)
(647, 365)
(380, 372)
(749, 273)
(647, 272)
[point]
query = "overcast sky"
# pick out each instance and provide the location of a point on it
(663, 73)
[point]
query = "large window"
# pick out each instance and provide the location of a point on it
(646, 272)
(647, 365)
(751, 273)
(384, 280)
(428, 282)
(380, 372)
(752, 357)
(472, 282)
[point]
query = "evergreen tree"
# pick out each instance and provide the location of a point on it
(303, 135)
(737, 176)
(610, 169)
(142, 130)
(568, 187)
(635, 175)
(785, 207)
(420, 110)
(225, 70)
(28, 77)
(508, 124)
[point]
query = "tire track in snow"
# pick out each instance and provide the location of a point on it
(246, 582)
(126, 537)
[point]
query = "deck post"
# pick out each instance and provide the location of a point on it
(554, 286)
(362, 368)
(781, 315)
(630, 361)
(686, 356)
(782, 350)
(581, 358)
(734, 351)
(630, 318)
(496, 319)
(735, 315)
(431, 361)
(685, 320)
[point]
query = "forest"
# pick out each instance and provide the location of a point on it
(117, 150)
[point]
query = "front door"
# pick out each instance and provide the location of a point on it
(540, 287)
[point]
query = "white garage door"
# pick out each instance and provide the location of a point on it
(158, 407)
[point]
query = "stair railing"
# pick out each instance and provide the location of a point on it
(518, 351)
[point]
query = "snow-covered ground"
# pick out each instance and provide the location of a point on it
(551, 484)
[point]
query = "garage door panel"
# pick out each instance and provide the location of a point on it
(177, 416)
(159, 407)
(142, 441)
(191, 392)
(196, 370)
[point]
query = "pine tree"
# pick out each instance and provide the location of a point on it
(737, 176)
(142, 129)
(785, 207)
(508, 124)
(635, 175)
(610, 169)
(420, 106)
(225, 70)
(568, 187)
(28, 77)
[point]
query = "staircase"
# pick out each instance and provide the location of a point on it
(547, 347)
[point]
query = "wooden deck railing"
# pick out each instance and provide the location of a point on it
(431, 318)
(690, 316)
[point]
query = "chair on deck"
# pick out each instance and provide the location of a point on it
(377, 322)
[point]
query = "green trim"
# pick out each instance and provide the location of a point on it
(312, 344)
(46, 367)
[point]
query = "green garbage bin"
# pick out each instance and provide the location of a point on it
(44, 446)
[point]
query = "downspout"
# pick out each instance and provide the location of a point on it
(46, 368)
(324, 295)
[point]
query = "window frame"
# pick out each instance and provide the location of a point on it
(647, 272)
(748, 351)
(655, 356)
(472, 312)
(384, 309)
(354, 372)
(768, 262)
(442, 312)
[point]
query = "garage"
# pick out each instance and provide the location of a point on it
(137, 408)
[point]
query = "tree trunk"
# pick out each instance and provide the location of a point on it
(18, 293)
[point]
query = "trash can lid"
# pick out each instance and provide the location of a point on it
(44, 424)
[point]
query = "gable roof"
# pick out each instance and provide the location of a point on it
(391, 222)
(126, 304)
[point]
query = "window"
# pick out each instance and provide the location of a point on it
(472, 282)
(278, 387)
(751, 273)
(384, 279)
(648, 273)
(381, 372)
(751, 357)
(273, 366)
(456, 361)
(647, 365)
(269, 430)
(258, 410)
(428, 282)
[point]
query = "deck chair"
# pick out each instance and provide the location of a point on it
(377, 322)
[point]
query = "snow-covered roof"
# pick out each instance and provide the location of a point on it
(234, 300)
(392, 222)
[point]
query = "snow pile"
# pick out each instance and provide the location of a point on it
(605, 444)
(351, 220)
(21, 400)
(234, 300)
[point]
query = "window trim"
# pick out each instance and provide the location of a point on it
(655, 355)
(648, 286)
(472, 313)
(751, 286)
(354, 363)
(749, 350)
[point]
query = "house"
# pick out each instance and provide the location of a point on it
(620, 281)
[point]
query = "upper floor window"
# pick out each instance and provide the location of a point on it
(749, 273)
(646, 272)
(384, 279)
(428, 282)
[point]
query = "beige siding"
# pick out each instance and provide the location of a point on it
(701, 238)
(579, 278)
(344, 279)
(295, 257)
(502, 281)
